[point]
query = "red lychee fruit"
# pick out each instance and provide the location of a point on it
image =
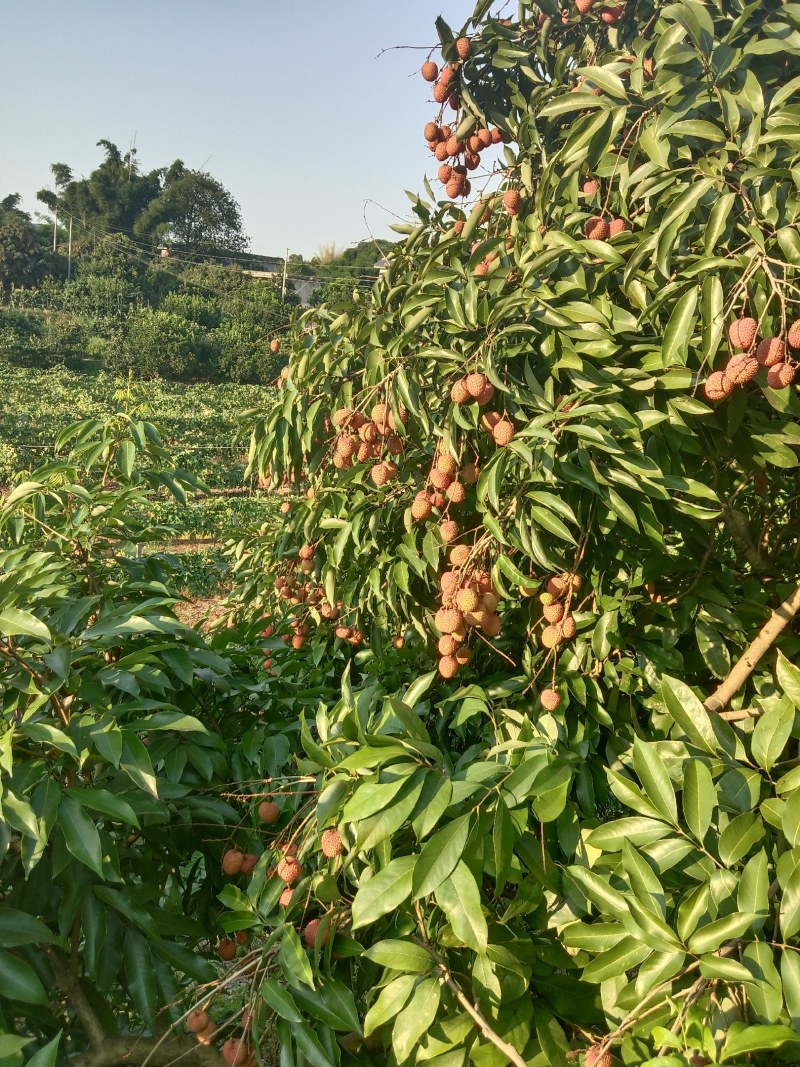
(512, 201)
(235, 1052)
(285, 899)
(421, 507)
(448, 530)
(438, 500)
(553, 612)
(456, 493)
(610, 15)
(742, 333)
(584, 6)
(447, 645)
(597, 229)
(463, 48)
(595, 1058)
(716, 387)
(780, 375)
(503, 432)
(591, 187)
(288, 870)
(568, 628)
(310, 934)
(469, 474)
(448, 667)
(431, 132)
(226, 949)
(249, 862)
(459, 554)
(491, 624)
(616, 227)
(332, 844)
(445, 173)
(441, 92)
(274, 345)
(550, 699)
(448, 620)
(459, 393)
(793, 336)
(429, 71)
(197, 1021)
(772, 350)
(741, 369)
(232, 862)
(476, 383)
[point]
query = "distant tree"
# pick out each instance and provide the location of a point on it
(25, 257)
(195, 211)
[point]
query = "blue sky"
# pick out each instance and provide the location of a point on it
(283, 100)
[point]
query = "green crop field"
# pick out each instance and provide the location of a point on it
(198, 423)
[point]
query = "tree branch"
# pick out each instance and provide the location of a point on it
(771, 630)
(739, 529)
(71, 985)
(508, 1050)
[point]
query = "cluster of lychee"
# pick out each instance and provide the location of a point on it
(559, 623)
(448, 483)
(771, 353)
(362, 440)
(469, 601)
(608, 15)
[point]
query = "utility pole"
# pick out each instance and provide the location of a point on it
(285, 268)
(69, 250)
(55, 229)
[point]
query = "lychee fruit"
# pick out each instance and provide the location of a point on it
(512, 201)
(741, 368)
(431, 133)
(481, 269)
(438, 500)
(793, 336)
(197, 1021)
(597, 229)
(429, 71)
(445, 173)
(274, 345)
(379, 474)
(610, 15)
(446, 464)
(232, 861)
(459, 555)
(439, 479)
(550, 699)
(441, 92)
(249, 862)
(476, 383)
(285, 899)
(595, 1058)
(490, 420)
(448, 620)
(310, 933)
(780, 375)
(448, 667)
(772, 350)
(485, 395)
(380, 416)
(459, 393)
(447, 645)
(716, 387)
(617, 226)
(491, 624)
(235, 1052)
(448, 530)
(288, 870)
(463, 48)
(742, 333)
(591, 187)
(469, 474)
(421, 507)
(332, 844)
(398, 642)
(503, 432)
(584, 6)
(553, 612)
(463, 656)
(456, 492)
(568, 628)
(226, 949)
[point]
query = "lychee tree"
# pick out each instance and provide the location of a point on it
(550, 469)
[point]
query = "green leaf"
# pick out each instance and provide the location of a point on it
(294, 961)
(108, 803)
(753, 892)
(689, 713)
(140, 975)
(439, 856)
(616, 961)
(81, 835)
(400, 956)
(655, 779)
(678, 330)
(280, 1000)
(742, 1040)
(15, 623)
(391, 1000)
(126, 457)
(47, 1055)
(714, 934)
(771, 733)
(460, 899)
(416, 1018)
(788, 676)
(19, 981)
(699, 797)
(20, 928)
(384, 892)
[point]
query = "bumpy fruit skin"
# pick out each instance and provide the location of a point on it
(568, 628)
(463, 48)
(459, 555)
(197, 1021)
(421, 507)
(503, 432)
(584, 6)
(447, 646)
(772, 350)
(249, 862)
(459, 393)
(793, 336)
(550, 699)
(610, 15)
(439, 479)
(595, 1058)
(456, 493)
(274, 345)
(285, 899)
(332, 844)
(597, 229)
(469, 474)
(467, 600)
(448, 667)
(235, 1052)
(553, 612)
(431, 132)
(448, 620)
(232, 862)
(226, 949)
(288, 870)
(310, 934)
(446, 464)
(429, 71)
(742, 333)
(781, 375)
(463, 656)
(491, 625)
(551, 636)
(617, 226)
(449, 530)
(591, 187)
(476, 383)
(741, 369)
(512, 201)
(716, 388)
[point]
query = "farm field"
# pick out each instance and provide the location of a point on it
(198, 423)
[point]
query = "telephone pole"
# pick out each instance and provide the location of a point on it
(285, 268)
(69, 250)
